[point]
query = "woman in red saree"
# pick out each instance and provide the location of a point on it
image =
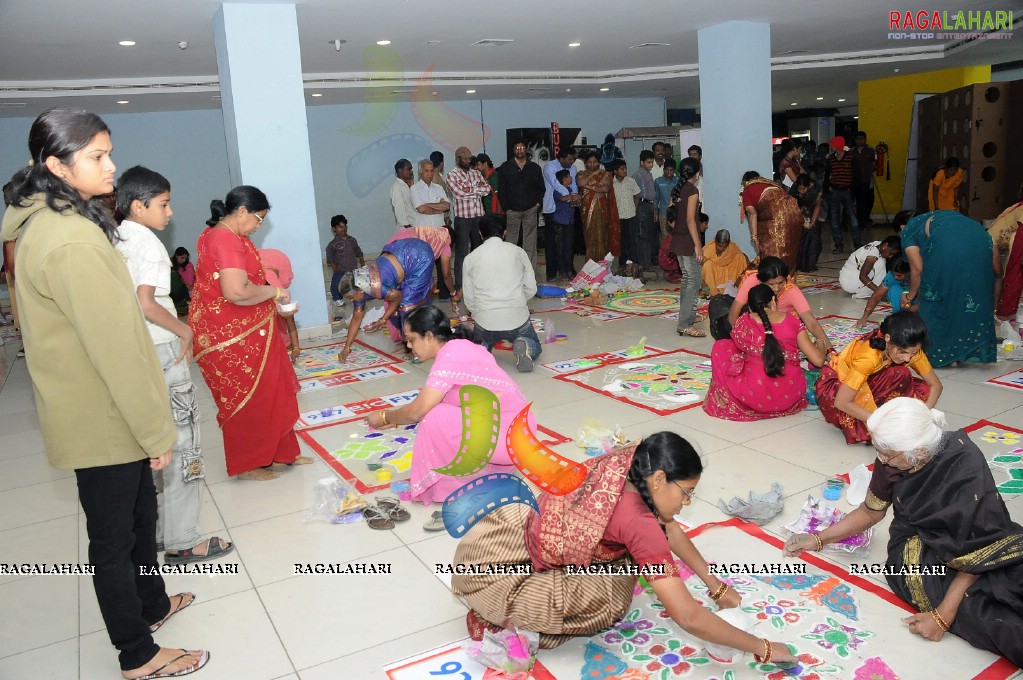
(237, 345)
(601, 229)
(775, 219)
(873, 370)
(621, 516)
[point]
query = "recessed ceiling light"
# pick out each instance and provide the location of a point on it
(794, 104)
(820, 99)
(568, 89)
(896, 70)
(604, 89)
(317, 94)
(383, 42)
(856, 117)
(126, 43)
(574, 44)
(470, 91)
(122, 101)
(842, 99)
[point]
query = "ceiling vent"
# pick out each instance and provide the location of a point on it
(492, 42)
(653, 44)
(13, 105)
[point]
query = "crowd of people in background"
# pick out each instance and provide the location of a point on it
(470, 235)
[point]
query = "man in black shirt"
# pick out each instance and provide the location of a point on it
(521, 190)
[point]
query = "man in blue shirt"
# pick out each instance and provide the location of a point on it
(565, 161)
(663, 186)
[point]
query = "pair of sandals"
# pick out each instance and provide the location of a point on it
(385, 513)
(215, 548)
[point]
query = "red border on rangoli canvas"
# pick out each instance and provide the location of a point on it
(565, 377)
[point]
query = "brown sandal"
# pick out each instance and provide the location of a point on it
(392, 508)
(378, 518)
(692, 332)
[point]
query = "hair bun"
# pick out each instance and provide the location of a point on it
(938, 417)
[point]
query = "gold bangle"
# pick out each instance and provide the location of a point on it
(766, 658)
(277, 294)
(719, 593)
(383, 417)
(938, 620)
(820, 543)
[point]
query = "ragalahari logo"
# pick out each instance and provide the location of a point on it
(927, 24)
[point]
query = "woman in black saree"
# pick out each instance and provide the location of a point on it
(949, 514)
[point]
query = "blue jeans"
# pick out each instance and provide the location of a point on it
(842, 199)
(690, 289)
(525, 331)
(335, 294)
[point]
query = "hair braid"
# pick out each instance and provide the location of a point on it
(637, 475)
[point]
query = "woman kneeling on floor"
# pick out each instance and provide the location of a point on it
(459, 362)
(875, 369)
(621, 515)
(756, 374)
(950, 524)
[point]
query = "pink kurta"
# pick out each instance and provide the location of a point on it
(458, 363)
(740, 388)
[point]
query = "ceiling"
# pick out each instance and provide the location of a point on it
(62, 53)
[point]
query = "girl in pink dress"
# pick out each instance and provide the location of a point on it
(756, 373)
(457, 362)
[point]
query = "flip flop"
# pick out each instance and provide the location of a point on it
(183, 603)
(435, 523)
(216, 548)
(204, 659)
(378, 518)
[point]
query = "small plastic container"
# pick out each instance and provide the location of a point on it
(402, 489)
(384, 474)
(833, 489)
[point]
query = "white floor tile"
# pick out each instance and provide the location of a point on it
(38, 611)
(38, 503)
(51, 542)
(311, 612)
(58, 661)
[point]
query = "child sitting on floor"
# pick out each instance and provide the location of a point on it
(893, 287)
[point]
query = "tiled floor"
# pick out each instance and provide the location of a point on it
(266, 622)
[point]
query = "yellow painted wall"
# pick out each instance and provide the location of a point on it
(886, 112)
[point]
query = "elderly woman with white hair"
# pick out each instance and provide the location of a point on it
(953, 551)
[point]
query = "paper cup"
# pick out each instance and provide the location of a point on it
(290, 307)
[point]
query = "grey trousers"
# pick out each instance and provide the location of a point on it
(180, 484)
(527, 221)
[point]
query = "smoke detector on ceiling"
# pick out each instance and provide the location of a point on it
(492, 42)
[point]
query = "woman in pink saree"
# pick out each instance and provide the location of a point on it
(457, 362)
(756, 374)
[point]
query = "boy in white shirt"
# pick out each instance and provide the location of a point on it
(143, 196)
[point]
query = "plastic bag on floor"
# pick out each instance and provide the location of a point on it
(509, 651)
(336, 501)
(598, 437)
(760, 507)
(816, 516)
